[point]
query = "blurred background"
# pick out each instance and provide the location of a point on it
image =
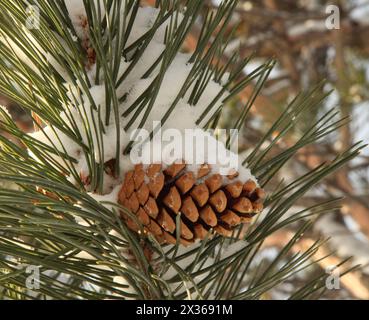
(295, 33)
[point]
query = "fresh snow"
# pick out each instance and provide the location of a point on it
(184, 116)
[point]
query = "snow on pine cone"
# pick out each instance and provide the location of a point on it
(205, 200)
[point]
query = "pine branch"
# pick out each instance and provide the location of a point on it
(55, 220)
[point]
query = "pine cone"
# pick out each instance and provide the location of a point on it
(205, 200)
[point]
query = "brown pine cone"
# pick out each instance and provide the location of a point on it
(205, 201)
